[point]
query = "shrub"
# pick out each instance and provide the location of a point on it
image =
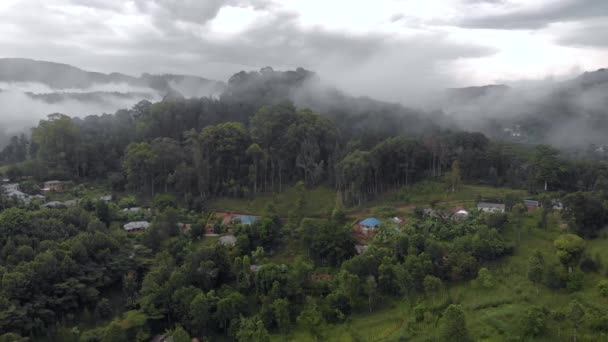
(603, 287)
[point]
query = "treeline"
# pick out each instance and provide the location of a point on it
(239, 146)
(55, 264)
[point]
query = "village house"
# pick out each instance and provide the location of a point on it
(132, 210)
(107, 198)
(491, 207)
(368, 226)
(184, 227)
(397, 220)
(138, 226)
(54, 205)
(532, 205)
(247, 220)
(229, 219)
(18, 195)
(557, 205)
(54, 185)
(461, 214)
(11, 187)
(361, 248)
(228, 240)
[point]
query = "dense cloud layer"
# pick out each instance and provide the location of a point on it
(539, 16)
(393, 50)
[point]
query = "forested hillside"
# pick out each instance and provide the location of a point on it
(201, 263)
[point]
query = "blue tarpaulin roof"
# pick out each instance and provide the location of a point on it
(247, 219)
(370, 222)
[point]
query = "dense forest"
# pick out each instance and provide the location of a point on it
(252, 139)
(63, 267)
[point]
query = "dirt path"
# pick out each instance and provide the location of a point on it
(392, 331)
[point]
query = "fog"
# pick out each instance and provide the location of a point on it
(41, 88)
(19, 111)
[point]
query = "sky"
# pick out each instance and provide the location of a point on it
(389, 49)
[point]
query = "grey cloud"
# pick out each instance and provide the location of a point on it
(591, 34)
(193, 11)
(374, 64)
(397, 17)
(555, 11)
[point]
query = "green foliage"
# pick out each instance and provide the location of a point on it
(586, 212)
(534, 322)
(328, 242)
(569, 249)
(453, 325)
(312, 320)
(179, 334)
(485, 279)
(602, 287)
(103, 309)
(252, 329)
(164, 201)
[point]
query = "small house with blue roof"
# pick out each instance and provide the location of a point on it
(532, 205)
(368, 226)
(247, 220)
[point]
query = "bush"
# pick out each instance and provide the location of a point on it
(495, 220)
(534, 322)
(485, 279)
(575, 281)
(602, 286)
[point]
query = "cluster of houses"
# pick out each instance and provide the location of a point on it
(13, 191)
(223, 218)
(368, 227)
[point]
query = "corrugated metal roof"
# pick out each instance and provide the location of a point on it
(247, 219)
(370, 222)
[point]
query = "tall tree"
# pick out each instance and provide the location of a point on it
(546, 165)
(454, 325)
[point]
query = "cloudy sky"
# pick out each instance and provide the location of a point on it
(382, 48)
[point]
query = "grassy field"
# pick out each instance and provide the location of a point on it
(492, 314)
(318, 202)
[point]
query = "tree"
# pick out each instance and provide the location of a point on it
(139, 165)
(603, 288)
(546, 165)
(103, 309)
(536, 267)
(280, 308)
(179, 334)
(312, 320)
(570, 249)
(252, 330)
(576, 312)
(371, 288)
(485, 278)
(534, 322)
(454, 179)
(129, 288)
(586, 213)
(114, 333)
(432, 285)
(58, 144)
(454, 325)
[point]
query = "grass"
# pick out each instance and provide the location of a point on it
(317, 202)
(492, 314)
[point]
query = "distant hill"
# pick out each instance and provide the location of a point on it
(63, 77)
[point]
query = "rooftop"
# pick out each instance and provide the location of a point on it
(490, 205)
(228, 240)
(136, 225)
(247, 219)
(370, 222)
